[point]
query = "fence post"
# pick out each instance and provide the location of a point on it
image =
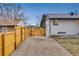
(21, 34)
(3, 43)
(15, 39)
(31, 31)
(24, 33)
(28, 32)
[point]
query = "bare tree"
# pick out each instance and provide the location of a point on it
(11, 11)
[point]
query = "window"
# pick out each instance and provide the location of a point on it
(55, 22)
(4, 29)
(77, 21)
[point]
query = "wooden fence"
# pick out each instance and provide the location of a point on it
(0, 44)
(9, 41)
(38, 31)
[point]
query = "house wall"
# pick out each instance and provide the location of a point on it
(7, 28)
(70, 27)
(47, 26)
(11, 28)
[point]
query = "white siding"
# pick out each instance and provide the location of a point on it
(68, 26)
(47, 27)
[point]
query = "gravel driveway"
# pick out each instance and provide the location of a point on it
(40, 46)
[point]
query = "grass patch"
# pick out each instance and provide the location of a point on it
(72, 45)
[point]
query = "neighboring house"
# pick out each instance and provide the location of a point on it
(7, 25)
(60, 24)
(21, 23)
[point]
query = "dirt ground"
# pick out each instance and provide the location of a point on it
(40, 46)
(72, 45)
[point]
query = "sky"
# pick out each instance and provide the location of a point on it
(33, 11)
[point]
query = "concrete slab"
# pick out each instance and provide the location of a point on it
(40, 46)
